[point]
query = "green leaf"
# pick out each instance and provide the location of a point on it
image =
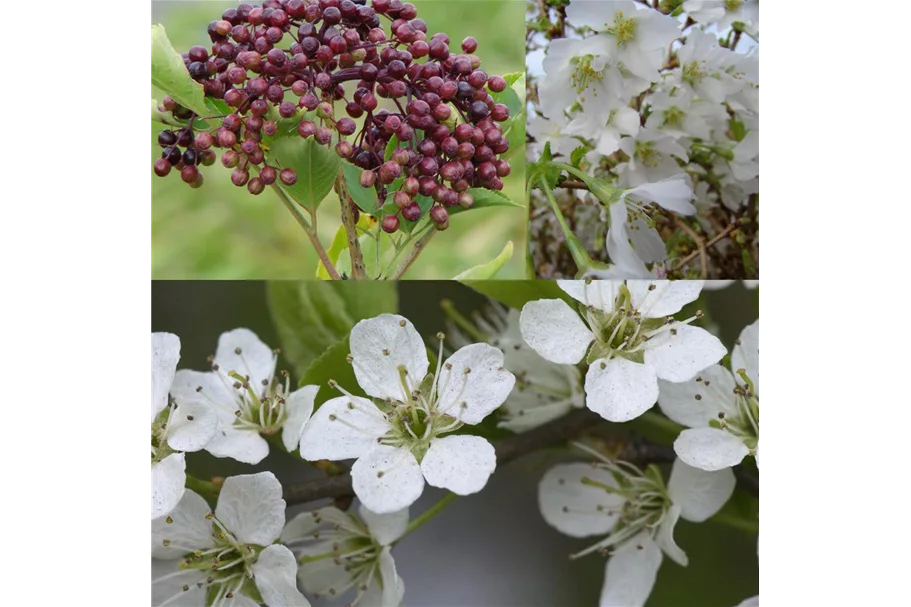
(171, 76)
(339, 244)
(364, 198)
(331, 364)
(484, 199)
(542, 170)
(488, 270)
(316, 167)
(312, 315)
(515, 134)
(513, 94)
(577, 155)
(516, 293)
(391, 146)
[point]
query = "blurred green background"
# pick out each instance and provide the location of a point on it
(491, 549)
(222, 232)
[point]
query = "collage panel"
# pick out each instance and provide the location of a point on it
(371, 435)
(643, 138)
(413, 116)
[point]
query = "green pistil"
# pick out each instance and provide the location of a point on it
(673, 116)
(693, 72)
(732, 5)
(623, 29)
(647, 154)
(584, 74)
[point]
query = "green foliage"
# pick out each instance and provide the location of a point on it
(516, 293)
(332, 364)
(485, 199)
(316, 167)
(310, 316)
(364, 198)
(543, 170)
(488, 270)
(171, 76)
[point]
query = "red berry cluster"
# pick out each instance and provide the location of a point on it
(330, 43)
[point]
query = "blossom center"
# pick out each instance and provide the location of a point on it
(584, 74)
(623, 28)
(743, 422)
(673, 116)
(647, 154)
(732, 5)
(160, 447)
(264, 411)
(224, 569)
(694, 72)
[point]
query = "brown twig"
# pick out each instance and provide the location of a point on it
(700, 246)
(715, 239)
(413, 254)
(507, 449)
(572, 184)
(358, 269)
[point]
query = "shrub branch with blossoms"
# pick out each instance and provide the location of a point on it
(644, 138)
(569, 371)
(307, 97)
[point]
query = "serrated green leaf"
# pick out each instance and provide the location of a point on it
(171, 76)
(577, 155)
(513, 77)
(311, 315)
(516, 293)
(332, 363)
(316, 167)
(542, 170)
(364, 198)
(484, 199)
(486, 271)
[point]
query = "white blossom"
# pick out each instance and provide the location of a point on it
(178, 426)
(251, 401)
(398, 441)
(338, 552)
(227, 557)
(630, 338)
(636, 511)
(544, 390)
(720, 408)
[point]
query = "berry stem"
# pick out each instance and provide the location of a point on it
(311, 232)
(358, 269)
(414, 253)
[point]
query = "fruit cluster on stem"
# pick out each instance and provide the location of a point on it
(295, 58)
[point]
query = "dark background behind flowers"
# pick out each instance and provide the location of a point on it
(491, 549)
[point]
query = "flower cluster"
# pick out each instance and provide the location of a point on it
(659, 104)
(283, 66)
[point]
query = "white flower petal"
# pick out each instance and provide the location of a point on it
(710, 448)
(385, 528)
(275, 573)
(300, 408)
(673, 193)
(473, 382)
(393, 589)
(168, 582)
(189, 528)
(746, 354)
(380, 347)
(256, 360)
(665, 537)
(192, 426)
(459, 463)
(387, 479)
(325, 577)
(168, 480)
(304, 524)
(165, 354)
(251, 507)
(576, 509)
(679, 357)
(699, 494)
(620, 390)
(342, 428)
(693, 403)
(753, 601)
(630, 573)
(598, 293)
(555, 331)
(245, 446)
(658, 298)
(210, 387)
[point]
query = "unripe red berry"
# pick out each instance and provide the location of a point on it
(256, 186)
(288, 177)
(367, 179)
(162, 167)
(189, 173)
(466, 200)
(401, 199)
(239, 176)
(439, 217)
(469, 45)
(412, 212)
(268, 175)
(390, 224)
(410, 186)
(344, 149)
